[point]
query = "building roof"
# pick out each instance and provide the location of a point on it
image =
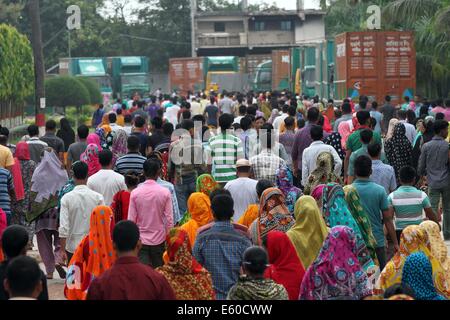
(259, 13)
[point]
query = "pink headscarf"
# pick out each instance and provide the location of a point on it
(93, 138)
(344, 130)
(317, 192)
(90, 157)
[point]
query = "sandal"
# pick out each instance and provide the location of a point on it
(61, 271)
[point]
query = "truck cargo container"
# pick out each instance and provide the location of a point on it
(130, 76)
(186, 74)
(273, 74)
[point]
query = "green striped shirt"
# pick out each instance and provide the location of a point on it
(226, 149)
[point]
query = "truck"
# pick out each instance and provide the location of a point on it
(130, 76)
(274, 73)
(186, 74)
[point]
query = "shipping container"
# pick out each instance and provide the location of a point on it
(186, 74)
(280, 69)
(375, 64)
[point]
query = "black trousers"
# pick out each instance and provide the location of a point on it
(152, 255)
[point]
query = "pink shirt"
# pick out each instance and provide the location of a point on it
(151, 209)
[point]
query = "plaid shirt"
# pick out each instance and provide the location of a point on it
(220, 250)
(265, 165)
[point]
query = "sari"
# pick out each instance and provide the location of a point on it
(413, 239)
(188, 279)
(273, 215)
(398, 150)
(206, 184)
(285, 266)
(119, 145)
(250, 215)
(309, 231)
(336, 213)
(285, 182)
(323, 173)
(199, 208)
(354, 204)
(336, 273)
(418, 275)
(90, 157)
(93, 256)
(438, 246)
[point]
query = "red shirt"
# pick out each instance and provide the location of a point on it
(120, 204)
(128, 279)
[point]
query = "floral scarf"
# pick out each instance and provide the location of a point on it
(188, 279)
(90, 157)
(398, 150)
(206, 184)
(119, 145)
(285, 182)
(438, 246)
(336, 273)
(257, 289)
(323, 173)
(336, 212)
(93, 256)
(93, 138)
(273, 215)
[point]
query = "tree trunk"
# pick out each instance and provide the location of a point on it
(39, 69)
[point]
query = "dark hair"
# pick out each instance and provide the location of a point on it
(285, 108)
(23, 275)
(439, 125)
(225, 122)
(133, 143)
(187, 124)
(387, 98)
(406, 98)
(139, 122)
(186, 115)
(363, 166)
(398, 288)
(119, 111)
(363, 104)
(316, 132)
(105, 157)
(366, 136)
(212, 99)
(112, 117)
(301, 123)
(289, 122)
(167, 129)
(262, 186)
(242, 110)
(374, 149)
(374, 105)
(313, 114)
(14, 240)
(266, 136)
(64, 124)
(222, 207)
(33, 130)
(4, 131)
(50, 125)
(346, 108)
(411, 116)
(401, 114)
(126, 236)
(440, 116)
(251, 110)
(199, 117)
(407, 174)
(83, 131)
(246, 123)
(80, 170)
(363, 116)
(292, 111)
(128, 118)
(157, 122)
(321, 120)
(236, 126)
(151, 168)
(255, 260)
(132, 179)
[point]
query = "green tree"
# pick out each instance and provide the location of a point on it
(95, 96)
(66, 91)
(9, 11)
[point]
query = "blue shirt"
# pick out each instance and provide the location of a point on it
(220, 250)
(6, 184)
(384, 175)
(98, 115)
(374, 200)
(377, 116)
(175, 208)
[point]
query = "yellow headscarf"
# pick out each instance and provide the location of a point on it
(309, 231)
(413, 239)
(250, 215)
(199, 207)
(438, 247)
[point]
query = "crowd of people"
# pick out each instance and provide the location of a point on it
(266, 196)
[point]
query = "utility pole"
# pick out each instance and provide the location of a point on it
(193, 12)
(39, 72)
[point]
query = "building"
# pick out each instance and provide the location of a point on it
(242, 33)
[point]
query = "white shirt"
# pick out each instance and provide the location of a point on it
(115, 127)
(310, 155)
(238, 120)
(410, 131)
(76, 209)
(196, 108)
(107, 183)
(128, 129)
(243, 192)
(172, 114)
(278, 121)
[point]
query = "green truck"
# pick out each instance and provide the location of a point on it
(222, 73)
(130, 76)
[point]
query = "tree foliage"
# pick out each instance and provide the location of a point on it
(16, 65)
(95, 96)
(64, 91)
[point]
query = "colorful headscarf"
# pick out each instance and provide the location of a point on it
(206, 184)
(119, 145)
(323, 173)
(285, 266)
(336, 273)
(309, 231)
(93, 138)
(345, 130)
(336, 212)
(93, 256)
(22, 151)
(285, 182)
(250, 215)
(90, 157)
(398, 150)
(418, 275)
(438, 246)
(413, 239)
(273, 215)
(199, 208)
(188, 279)
(354, 204)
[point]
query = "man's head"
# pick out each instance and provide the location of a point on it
(243, 168)
(406, 98)
(401, 114)
(439, 116)
(225, 122)
(152, 169)
(285, 108)
(133, 144)
(15, 241)
(374, 150)
(407, 175)
(246, 123)
(189, 126)
(440, 128)
(139, 122)
(251, 110)
(262, 186)
(105, 158)
(33, 130)
(4, 131)
(23, 278)
(363, 167)
(100, 106)
(3, 140)
(313, 115)
(289, 123)
(366, 136)
(363, 117)
(126, 239)
(167, 129)
(119, 111)
(374, 105)
(128, 119)
(222, 207)
(80, 172)
(112, 117)
(83, 132)
(157, 123)
(387, 98)
(255, 261)
(346, 108)
(316, 133)
(242, 110)
(50, 126)
(363, 104)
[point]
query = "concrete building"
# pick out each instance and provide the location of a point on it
(240, 33)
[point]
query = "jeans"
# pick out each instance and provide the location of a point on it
(183, 191)
(435, 196)
(381, 255)
(152, 255)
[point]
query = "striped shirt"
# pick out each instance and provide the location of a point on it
(226, 149)
(408, 203)
(132, 161)
(6, 184)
